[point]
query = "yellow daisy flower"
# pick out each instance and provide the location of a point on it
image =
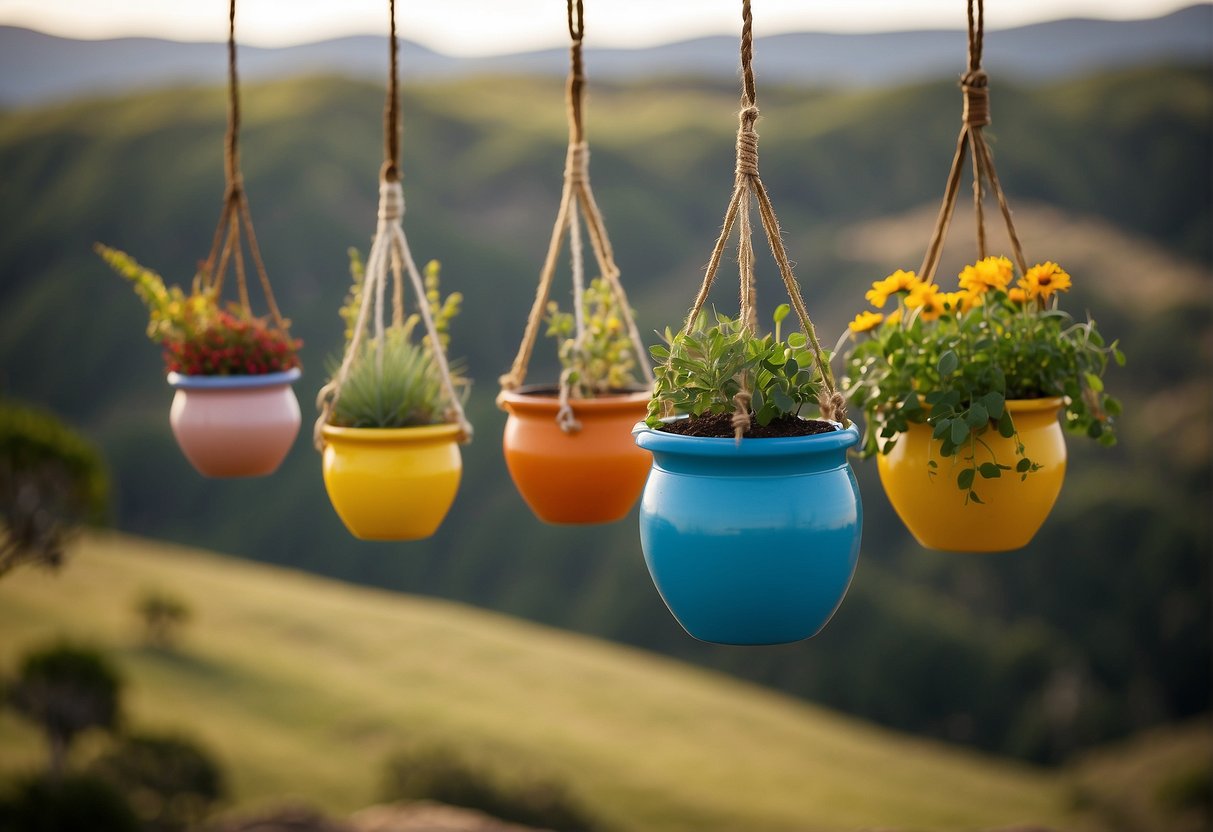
(893, 317)
(926, 296)
(865, 321)
(882, 290)
(960, 301)
(1043, 279)
(987, 274)
(1018, 294)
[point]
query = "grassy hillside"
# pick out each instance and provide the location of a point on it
(1098, 629)
(301, 686)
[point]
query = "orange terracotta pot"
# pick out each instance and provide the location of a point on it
(235, 426)
(592, 476)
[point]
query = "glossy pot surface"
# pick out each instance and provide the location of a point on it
(1012, 509)
(752, 542)
(392, 483)
(235, 426)
(593, 475)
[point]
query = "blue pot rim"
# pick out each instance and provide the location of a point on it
(181, 381)
(711, 446)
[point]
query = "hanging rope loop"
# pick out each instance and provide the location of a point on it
(975, 117)
(748, 188)
(390, 256)
(235, 226)
(576, 202)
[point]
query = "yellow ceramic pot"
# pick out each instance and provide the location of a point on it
(392, 483)
(1013, 508)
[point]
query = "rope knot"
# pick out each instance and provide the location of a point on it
(976, 88)
(747, 143)
(391, 201)
(577, 163)
(833, 406)
(741, 413)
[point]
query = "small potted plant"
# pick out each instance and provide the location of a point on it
(568, 448)
(234, 413)
(391, 455)
(961, 393)
(750, 538)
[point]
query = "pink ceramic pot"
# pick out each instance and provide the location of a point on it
(235, 426)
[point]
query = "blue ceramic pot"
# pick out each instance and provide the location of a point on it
(750, 542)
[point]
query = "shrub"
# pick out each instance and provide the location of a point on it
(170, 781)
(76, 803)
(443, 775)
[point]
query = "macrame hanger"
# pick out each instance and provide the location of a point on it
(748, 186)
(576, 202)
(975, 85)
(390, 255)
(235, 218)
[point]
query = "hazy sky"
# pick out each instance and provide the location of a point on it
(479, 27)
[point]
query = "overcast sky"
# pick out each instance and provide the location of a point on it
(481, 27)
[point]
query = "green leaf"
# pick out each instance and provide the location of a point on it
(990, 471)
(781, 312)
(1094, 382)
(1006, 428)
(960, 431)
(994, 403)
(965, 479)
(797, 340)
(948, 362)
(973, 496)
(942, 428)
(1023, 465)
(977, 416)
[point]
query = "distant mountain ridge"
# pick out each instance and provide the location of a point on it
(36, 67)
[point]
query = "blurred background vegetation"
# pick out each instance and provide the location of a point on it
(1100, 629)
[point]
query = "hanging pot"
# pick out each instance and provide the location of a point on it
(750, 542)
(1012, 508)
(591, 476)
(392, 483)
(235, 426)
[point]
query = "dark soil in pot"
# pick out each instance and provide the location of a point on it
(721, 425)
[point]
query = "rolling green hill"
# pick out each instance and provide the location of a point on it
(302, 686)
(1098, 629)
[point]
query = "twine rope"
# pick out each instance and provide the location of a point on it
(975, 117)
(390, 255)
(235, 219)
(576, 202)
(748, 185)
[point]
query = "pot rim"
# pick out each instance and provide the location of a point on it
(1028, 405)
(715, 446)
(371, 436)
(181, 381)
(544, 399)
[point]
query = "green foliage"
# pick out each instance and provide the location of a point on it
(72, 803)
(700, 371)
(199, 337)
(604, 361)
(953, 360)
(395, 382)
(52, 481)
(65, 690)
(163, 615)
(443, 774)
(172, 783)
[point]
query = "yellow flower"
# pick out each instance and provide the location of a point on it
(960, 301)
(1017, 294)
(1043, 279)
(987, 274)
(865, 321)
(926, 295)
(893, 317)
(898, 281)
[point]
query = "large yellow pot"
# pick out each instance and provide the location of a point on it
(392, 483)
(1012, 508)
